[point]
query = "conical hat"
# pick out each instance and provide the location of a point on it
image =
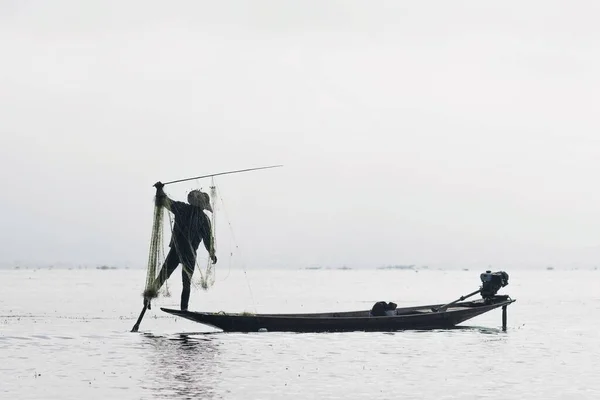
(200, 199)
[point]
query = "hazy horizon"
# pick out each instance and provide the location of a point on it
(220, 269)
(452, 135)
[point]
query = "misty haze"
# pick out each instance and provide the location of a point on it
(427, 134)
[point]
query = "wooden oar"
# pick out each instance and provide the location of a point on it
(139, 320)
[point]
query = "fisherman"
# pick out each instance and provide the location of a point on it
(191, 227)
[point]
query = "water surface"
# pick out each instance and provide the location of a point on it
(64, 334)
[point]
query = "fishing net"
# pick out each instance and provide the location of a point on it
(155, 254)
(205, 278)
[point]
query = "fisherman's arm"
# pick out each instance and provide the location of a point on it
(161, 198)
(207, 238)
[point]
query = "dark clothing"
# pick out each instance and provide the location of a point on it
(191, 227)
(187, 270)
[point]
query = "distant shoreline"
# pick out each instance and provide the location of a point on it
(412, 268)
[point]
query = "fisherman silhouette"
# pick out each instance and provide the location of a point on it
(191, 227)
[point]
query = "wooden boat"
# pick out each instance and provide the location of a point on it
(435, 316)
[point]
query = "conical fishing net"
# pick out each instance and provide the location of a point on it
(155, 254)
(207, 277)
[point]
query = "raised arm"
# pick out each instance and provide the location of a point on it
(161, 197)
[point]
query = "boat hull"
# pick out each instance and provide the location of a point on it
(410, 318)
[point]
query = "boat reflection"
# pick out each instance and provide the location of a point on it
(481, 329)
(182, 366)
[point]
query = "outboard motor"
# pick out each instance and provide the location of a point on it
(492, 282)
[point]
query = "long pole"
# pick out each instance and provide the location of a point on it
(222, 173)
(139, 320)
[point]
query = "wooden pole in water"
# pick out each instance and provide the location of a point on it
(139, 320)
(503, 318)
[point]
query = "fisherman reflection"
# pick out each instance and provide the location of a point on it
(182, 367)
(191, 227)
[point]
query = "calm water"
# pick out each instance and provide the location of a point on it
(64, 334)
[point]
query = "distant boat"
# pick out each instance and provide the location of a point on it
(412, 266)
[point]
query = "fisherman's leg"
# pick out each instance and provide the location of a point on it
(187, 270)
(170, 264)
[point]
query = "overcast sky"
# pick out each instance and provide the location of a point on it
(434, 133)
